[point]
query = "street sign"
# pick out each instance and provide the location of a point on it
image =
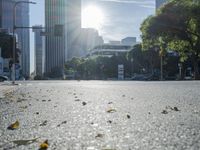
(120, 72)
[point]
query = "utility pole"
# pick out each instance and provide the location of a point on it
(161, 67)
(14, 29)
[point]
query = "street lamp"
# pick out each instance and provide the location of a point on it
(14, 28)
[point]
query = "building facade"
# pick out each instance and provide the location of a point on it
(109, 50)
(56, 30)
(63, 28)
(22, 20)
(90, 38)
(159, 3)
(39, 55)
(131, 41)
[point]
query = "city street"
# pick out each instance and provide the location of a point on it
(101, 115)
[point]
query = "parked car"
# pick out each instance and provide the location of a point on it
(139, 77)
(3, 78)
(145, 77)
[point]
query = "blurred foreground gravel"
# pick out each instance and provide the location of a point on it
(101, 115)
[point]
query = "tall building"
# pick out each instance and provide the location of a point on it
(39, 43)
(90, 38)
(56, 28)
(159, 3)
(63, 26)
(22, 19)
(73, 28)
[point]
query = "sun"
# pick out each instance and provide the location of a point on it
(92, 17)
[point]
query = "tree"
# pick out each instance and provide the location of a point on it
(178, 25)
(98, 67)
(148, 60)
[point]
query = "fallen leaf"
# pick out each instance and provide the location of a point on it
(44, 123)
(172, 108)
(84, 103)
(77, 100)
(64, 122)
(164, 112)
(99, 135)
(44, 145)
(176, 109)
(111, 110)
(24, 142)
(109, 121)
(20, 100)
(14, 126)
(128, 116)
(23, 107)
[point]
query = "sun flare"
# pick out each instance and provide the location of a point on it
(92, 17)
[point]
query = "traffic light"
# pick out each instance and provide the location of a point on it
(58, 30)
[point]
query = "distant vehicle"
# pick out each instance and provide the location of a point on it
(188, 78)
(3, 78)
(139, 77)
(145, 77)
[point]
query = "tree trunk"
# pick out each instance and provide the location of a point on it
(196, 70)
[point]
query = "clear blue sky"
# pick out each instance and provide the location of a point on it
(122, 17)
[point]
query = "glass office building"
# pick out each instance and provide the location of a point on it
(56, 43)
(39, 55)
(66, 15)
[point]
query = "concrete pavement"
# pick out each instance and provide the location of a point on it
(112, 115)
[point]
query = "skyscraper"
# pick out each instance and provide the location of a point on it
(90, 38)
(22, 19)
(63, 26)
(39, 50)
(56, 40)
(159, 3)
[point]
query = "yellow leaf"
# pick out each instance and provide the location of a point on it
(14, 126)
(111, 110)
(44, 145)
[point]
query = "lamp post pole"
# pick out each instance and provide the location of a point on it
(180, 70)
(161, 67)
(14, 43)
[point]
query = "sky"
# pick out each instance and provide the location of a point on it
(122, 18)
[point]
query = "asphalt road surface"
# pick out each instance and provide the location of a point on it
(101, 115)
